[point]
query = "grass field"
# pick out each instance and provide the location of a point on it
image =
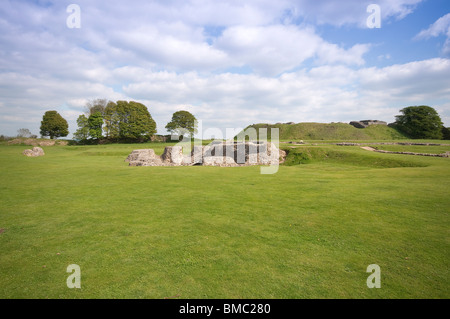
(308, 231)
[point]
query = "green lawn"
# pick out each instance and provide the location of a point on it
(308, 231)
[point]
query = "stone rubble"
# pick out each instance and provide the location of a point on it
(34, 152)
(225, 154)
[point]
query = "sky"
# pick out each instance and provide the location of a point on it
(230, 63)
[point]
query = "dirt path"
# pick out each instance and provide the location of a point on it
(368, 148)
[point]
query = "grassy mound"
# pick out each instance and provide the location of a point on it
(331, 131)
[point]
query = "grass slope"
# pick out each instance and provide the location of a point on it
(308, 231)
(331, 131)
(346, 156)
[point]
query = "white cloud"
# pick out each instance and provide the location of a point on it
(331, 53)
(228, 13)
(321, 94)
(25, 99)
(439, 27)
(171, 49)
(325, 93)
(164, 36)
(420, 77)
(275, 49)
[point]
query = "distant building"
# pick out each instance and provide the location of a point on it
(366, 123)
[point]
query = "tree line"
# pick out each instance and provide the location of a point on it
(121, 121)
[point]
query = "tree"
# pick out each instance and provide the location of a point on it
(445, 133)
(54, 125)
(23, 132)
(111, 119)
(95, 122)
(97, 105)
(420, 122)
(83, 128)
(182, 123)
(134, 120)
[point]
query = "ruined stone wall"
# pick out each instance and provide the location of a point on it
(366, 123)
(227, 154)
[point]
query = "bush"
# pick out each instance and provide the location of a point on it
(420, 122)
(4, 138)
(445, 133)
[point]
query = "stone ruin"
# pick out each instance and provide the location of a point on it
(224, 154)
(366, 123)
(35, 151)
